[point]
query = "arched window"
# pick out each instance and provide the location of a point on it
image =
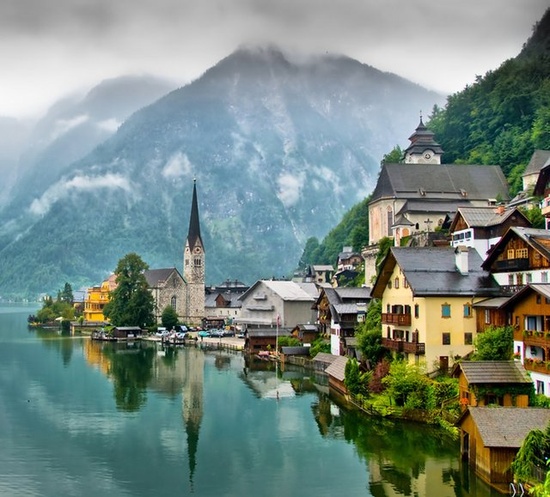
(173, 302)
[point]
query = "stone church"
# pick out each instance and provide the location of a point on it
(185, 293)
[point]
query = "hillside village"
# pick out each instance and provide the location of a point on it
(464, 259)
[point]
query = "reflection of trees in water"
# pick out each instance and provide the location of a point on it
(131, 371)
(396, 452)
(63, 343)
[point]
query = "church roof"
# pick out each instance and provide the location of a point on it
(157, 277)
(451, 182)
(194, 234)
(423, 139)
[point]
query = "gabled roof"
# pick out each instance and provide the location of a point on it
(157, 277)
(544, 173)
(441, 182)
(325, 358)
(538, 239)
(337, 368)
(484, 217)
(502, 427)
(286, 290)
(493, 372)
(540, 288)
(432, 271)
(267, 332)
(537, 162)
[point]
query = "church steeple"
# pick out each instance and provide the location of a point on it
(194, 234)
(423, 148)
(194, 265)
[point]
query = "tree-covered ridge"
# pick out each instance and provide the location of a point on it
(505, 115)
(500, 119)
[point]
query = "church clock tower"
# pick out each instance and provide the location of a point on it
(194, 265)
(423, 148)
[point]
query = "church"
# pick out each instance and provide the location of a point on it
(169, 287)
(185, 293)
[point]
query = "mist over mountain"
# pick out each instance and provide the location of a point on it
(71, 128)
(281, 149)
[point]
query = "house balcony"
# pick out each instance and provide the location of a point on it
(396, 318)
(534, 338)
(402, 346)
(537, 366)
(512, 265)
(545, 209)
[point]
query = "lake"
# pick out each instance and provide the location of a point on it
(86, 418)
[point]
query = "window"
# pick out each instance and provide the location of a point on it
(198, 262)
(510, 279)
(416, 311)
(522, 253)
(389, 284)
(529, 278)
(519, 279)
(467, 311)
(173, 302)
(540, 387)
(487, 316)
(446, 338)
(468, 339)
(405, 283)
(396, 283)
(538, 299)
(544, 277)
(445, 310)
(510, 254)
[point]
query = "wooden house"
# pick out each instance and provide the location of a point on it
(336, 372)
(322, 361)
(490, 438)
(528, 312)
(306, 333)
(522, 256)
(483, 383)
(258, 339)
(126, 332)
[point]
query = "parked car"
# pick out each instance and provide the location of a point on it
(216, 333)
(161, 332)
(240, 334)
(228, 333)
(204, 333)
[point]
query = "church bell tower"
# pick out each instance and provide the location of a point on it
(194, 265)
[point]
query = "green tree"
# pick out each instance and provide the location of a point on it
(131, 302)
(395, 156)
(369, 335)
(408, 386)
(66, 295)
(533, 453)
(496, 343)
(169, 317)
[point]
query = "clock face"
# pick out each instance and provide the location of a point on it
(427, 155)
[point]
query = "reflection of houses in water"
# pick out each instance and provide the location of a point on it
(268, 383)
(93, 353)
(193, 403)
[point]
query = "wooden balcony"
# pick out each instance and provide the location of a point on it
(512, 265)
(402, 346)
(537, 366)
(396, 318)
(545, 209)
(535, 338)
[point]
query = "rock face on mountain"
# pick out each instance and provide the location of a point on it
(280, 149)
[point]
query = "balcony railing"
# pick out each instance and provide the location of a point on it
(512, 265)
(537, 366)
(531, 337)
(402, 346)
(396, 318)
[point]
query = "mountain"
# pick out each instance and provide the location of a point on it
(280, 149)
(72, 127)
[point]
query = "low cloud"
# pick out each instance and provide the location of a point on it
(177, 166)
(110, 125)
(290, 188)
(63, 126)
(41, 206)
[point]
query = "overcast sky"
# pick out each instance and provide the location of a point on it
(51, 47)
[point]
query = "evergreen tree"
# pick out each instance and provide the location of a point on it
(131, 302)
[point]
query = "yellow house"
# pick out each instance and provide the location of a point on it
(96, 298)
(427, 298)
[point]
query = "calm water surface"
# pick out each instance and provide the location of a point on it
(81, 418)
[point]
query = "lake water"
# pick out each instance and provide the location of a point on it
(82, 418)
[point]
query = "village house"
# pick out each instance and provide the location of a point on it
(336, 372)
(222, 304)
(541, 160)
(521, 256)
(427, 297)
(482, 227)
(339, 310)
(490, 438)
(95, 300)
(277, 303)
(483, 383)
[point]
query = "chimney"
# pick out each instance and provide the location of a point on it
(461, 259)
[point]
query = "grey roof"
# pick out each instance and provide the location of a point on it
(356, 294)
(507, 427)
(485, 372)
(308, 327)
(493, 303)
(322, 267)
(155, 277)
(267, 332)
(483, 217)
(286, 290)
(231, 297)
(295, 350)
(325, 358)
(441, 181)
(433, 271)
(537, 162)
(337, 368)
(345, 308)
(434, 205)
(540, 288)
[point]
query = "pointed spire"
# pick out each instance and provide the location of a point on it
(194, 234)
